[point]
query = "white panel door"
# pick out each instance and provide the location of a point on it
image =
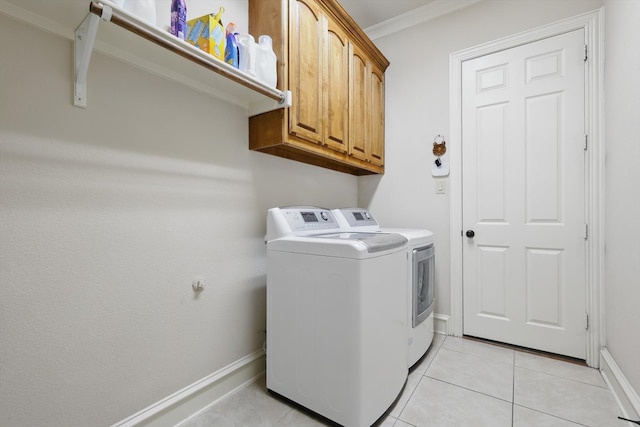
(524, 195)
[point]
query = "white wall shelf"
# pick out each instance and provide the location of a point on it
(151, 48)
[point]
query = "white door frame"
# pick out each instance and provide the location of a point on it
(592, 23)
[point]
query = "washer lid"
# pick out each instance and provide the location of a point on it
(374, 242)
(352, 245)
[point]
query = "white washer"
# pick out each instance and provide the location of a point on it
(336, 323)
(420, 276)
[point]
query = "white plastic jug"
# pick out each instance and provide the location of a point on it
(247, 51)
(266, 62)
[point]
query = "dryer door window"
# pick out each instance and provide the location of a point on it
(423, 283)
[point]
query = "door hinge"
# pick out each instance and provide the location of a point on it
(586, 320)
(586, 231)
(586, 53)
(586, 142)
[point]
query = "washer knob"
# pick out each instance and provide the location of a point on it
(324, 215)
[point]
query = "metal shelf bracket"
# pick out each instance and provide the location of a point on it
(270, 104)
(85, 37)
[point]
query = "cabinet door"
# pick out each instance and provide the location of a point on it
(336, 88)
(376, 116)
(358, 100)
(305, 70)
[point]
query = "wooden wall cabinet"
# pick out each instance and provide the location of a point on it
(336, 76)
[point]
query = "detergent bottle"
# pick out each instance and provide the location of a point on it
(231, 49)
(247, 47)
(266, 62)
(178, 18)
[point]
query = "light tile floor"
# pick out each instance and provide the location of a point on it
(460, 382)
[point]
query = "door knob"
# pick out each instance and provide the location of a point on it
(470, 234)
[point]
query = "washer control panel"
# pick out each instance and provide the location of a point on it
(300, 221)
(309, 219)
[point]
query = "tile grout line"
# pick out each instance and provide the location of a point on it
(437, 350)
(283, 417)
(562, 377)
(479, 356)
(468, 389)
(552, 415)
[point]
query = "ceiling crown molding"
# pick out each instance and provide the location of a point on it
(417, 16)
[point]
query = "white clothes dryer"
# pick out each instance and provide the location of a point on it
(336, 323)
(420, 276)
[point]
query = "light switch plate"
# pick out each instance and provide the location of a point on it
(442, 170)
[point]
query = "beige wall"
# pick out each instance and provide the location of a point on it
(107, 215)
(622, 210)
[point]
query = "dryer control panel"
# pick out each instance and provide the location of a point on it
(356, 217)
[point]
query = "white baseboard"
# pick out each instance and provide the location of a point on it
(627, 398)
(189, 401)
(441, 324)
(210, 390)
